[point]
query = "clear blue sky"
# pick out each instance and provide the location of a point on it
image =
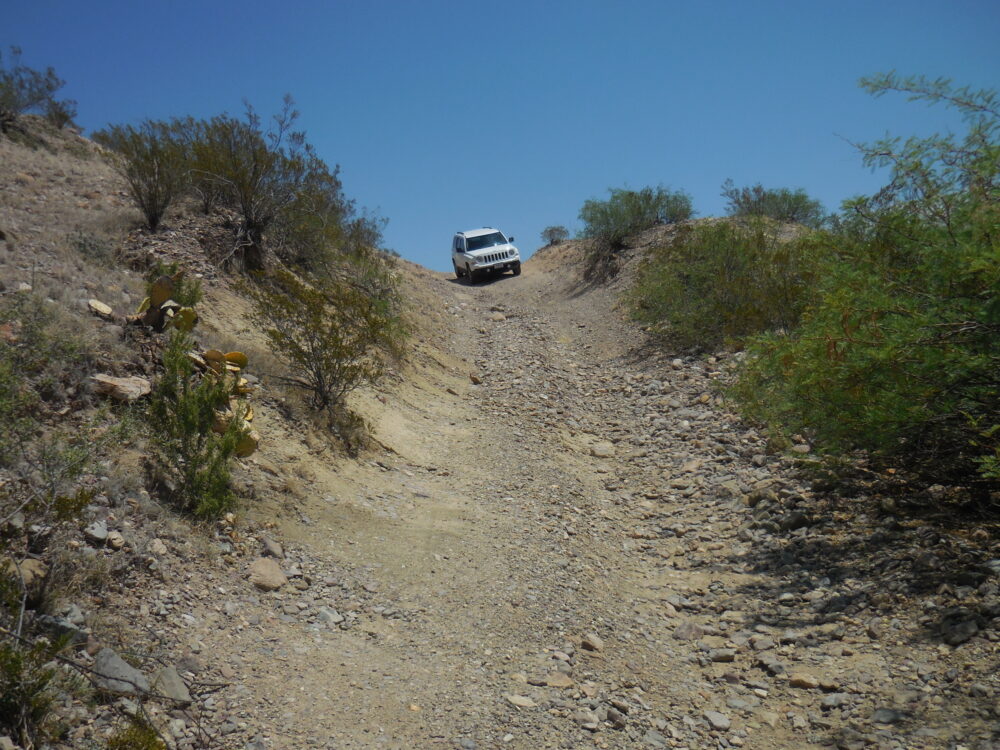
(450, 115)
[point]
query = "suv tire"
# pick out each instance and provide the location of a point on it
(458, 272)
(470, 275)
(516, 269)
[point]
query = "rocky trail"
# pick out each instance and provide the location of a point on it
(568, 546)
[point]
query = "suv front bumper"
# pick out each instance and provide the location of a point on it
(501, 265)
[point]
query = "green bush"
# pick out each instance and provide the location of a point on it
(554, 235)
(267, 172)
(26, 692)
(152, 162)
(627, 212)
(40, 363)
(321, 226)
(193, 461)
(136, 734)
(284, 192)
(330, 330)
(898, 354)
(723, 281)
(60, 112)
(24, 90)
(200, 161)
(261, 170)
(780, 204)
(93, 248)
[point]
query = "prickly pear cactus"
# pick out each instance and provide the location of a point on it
(228, 368)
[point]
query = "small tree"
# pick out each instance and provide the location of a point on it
(24, 90)
(261, 171)
(780, 204)
(554, 235)
(329, 330)
(152, 163)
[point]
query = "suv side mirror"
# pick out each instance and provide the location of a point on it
(510, 239)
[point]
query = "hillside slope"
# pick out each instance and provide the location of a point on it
(558, 538)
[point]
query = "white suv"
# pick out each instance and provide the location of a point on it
(480, 251)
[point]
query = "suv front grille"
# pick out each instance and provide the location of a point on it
(494, 257)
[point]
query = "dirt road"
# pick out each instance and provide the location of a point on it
(564, 544)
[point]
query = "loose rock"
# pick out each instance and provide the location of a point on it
(266, 574)
(168, 682)
(121, 389)
(718, 720)
(113, 673)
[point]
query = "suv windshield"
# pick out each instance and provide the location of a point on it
(485, 240)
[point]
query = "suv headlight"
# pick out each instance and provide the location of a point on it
(511, 253)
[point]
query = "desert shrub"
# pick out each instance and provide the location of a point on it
(60, 112)
(200, 161)
(363, 233)
(899, 352)
(330, 331)
(723, 281)
(187, 291)
(95, 249)
(192, 461)
(24, 90)
(283, 191)
(627, 212)
(316, 224)
(609, 223)
(136, 734)
(41, 362)
(372, 273)
(554, 235)
(26, 692)
(152, 162)
(780, 204)
(260, 169)
(264, 170)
